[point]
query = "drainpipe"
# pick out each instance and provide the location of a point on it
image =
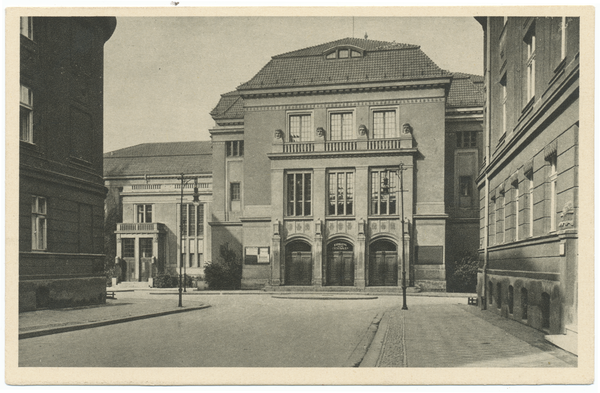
(488, 156)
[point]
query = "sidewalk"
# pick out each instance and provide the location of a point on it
(459, 336)
(52, 321)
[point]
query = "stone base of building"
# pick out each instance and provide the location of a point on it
(57, 293)
(430, 286)
(250, 283)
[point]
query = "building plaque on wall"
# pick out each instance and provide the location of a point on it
(256, 255)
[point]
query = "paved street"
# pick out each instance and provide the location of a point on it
(236, 331)
(262, 331)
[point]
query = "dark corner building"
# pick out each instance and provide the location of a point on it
(61, 190)
(529, 183)
(306, 168)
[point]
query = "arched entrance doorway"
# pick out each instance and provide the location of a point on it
(383, 264)
(298, 263)
(340, 263)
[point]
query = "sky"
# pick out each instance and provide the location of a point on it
(163, 75)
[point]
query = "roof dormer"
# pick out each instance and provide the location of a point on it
(344, 52)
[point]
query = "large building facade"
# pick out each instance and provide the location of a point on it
(61, 192)
(529, 181)
(152, 222)
(318, 157)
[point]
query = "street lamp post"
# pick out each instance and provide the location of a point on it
(401, 169)
(181, 262)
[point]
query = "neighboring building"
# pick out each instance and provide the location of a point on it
(144, 211)
(306, 162)
(529, 181)
(61, 192)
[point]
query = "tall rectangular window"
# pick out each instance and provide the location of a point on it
(300, 128)
(235, 192)
(144, 213)
(192, 220)
(515, 185)
(341, 126)
(552, 179)
(383, 192)
(26, 115)
(299, 194)
(530, 197)
(27, 26)
(184, 220)
(384, 124)
(38, 223)
(235, 148)
(341, 193)
(504, 95)
(530, 64)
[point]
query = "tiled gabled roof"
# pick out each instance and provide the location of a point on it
(382, 61)
(170, 158)
(230, 106)
(466, 90)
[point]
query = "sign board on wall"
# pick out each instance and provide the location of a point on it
(256, 255)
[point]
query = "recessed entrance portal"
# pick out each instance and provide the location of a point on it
(298, 263)
(383, 264)
(340, 264)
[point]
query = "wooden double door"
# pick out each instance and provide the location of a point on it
(383, 264)
(340, 264)
(298, 264)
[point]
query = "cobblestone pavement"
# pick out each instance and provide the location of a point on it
(434, 335)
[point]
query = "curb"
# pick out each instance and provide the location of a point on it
(371, 358)
(324, 297)
(47, 332)
(364, 345)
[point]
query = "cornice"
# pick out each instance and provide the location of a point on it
(60, 178)
(342, 154)
(344, 104)
(320, 90)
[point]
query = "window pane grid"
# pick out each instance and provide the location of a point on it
(384, 124)
(341, 126)
(300, 128)
(383, 192)
(38, 223)
(299, 189)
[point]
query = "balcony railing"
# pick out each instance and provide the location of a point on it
(383, 144)
(140, 227)
(343, 146)
(340, 146)
(202, 186)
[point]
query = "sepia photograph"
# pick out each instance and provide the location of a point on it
(339, 195)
